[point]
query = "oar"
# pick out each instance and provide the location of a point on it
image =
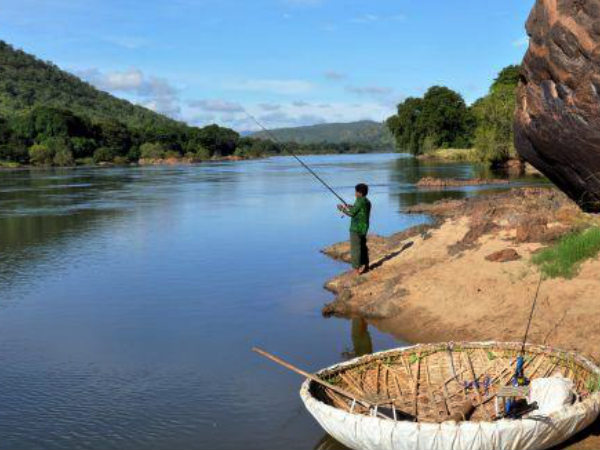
(316, 379)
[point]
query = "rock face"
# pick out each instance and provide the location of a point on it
(557, 125)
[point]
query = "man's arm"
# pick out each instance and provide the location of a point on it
(345, 209)
(351, 210)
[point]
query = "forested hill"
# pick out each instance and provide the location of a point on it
(363, 132)
(26, 82)
(49, 117)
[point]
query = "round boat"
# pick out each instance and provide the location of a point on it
(409, 398)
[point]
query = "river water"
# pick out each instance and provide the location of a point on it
(130, 298)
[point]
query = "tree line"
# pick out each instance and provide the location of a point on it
(442, 119)
(48, 136)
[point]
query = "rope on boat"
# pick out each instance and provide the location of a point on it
(306, 166)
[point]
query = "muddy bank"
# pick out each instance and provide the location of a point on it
(470, 277)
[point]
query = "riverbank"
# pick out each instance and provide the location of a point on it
(470, 276)
(512, 166)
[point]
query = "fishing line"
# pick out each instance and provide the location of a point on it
(306, 166)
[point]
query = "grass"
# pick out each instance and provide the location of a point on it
(453, 154)
(564, 259)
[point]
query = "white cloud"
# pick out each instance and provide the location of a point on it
(152, 92)
(334, 75)
(370, 90)
(216, 105)
(285, 87)
(372, 18)
(365, 18)
(269, 106)
(128, 42)
(298, 114)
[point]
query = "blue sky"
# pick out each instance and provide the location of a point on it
(289, 62)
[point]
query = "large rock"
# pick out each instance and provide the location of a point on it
(557, 125)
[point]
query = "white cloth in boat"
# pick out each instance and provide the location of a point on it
(551, 394)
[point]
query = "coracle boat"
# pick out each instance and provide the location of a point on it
(451, 396)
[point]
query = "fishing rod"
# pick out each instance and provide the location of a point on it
(306, 166)
(535, 299)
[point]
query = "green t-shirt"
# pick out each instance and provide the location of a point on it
(360, 213)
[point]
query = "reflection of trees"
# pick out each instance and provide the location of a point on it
(406, 172)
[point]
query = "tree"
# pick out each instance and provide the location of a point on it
(440, 119)
(104, 154)
(494, 137)
(218, 140)
(64, 158)
(152, 150)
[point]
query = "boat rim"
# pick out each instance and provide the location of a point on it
(307, 396)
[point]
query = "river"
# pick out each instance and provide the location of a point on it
(130, 298)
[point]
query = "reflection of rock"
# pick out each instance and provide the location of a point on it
(557, 127)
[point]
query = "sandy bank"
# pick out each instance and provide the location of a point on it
(435, 284)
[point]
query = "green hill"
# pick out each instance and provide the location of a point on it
(368, 132)
(27, 82)
(51, 117)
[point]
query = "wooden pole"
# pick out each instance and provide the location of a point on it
(312, 377)
(476, 387)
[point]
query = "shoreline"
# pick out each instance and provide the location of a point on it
(171, 162)
(469, 275)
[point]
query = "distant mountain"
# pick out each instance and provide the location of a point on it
(363, 132)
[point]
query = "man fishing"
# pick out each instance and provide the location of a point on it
(360, 213)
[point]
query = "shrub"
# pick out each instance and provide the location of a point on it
(172, 154)
(63, 158)
(120, 160)
(152, 150)
(134, 153)
(202, 154)
(104, 154)
(40, 155)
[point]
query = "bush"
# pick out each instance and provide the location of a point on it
(104, 154)
(152, 150)
(40, 155)
(120, 160)
(202, 154)
(134, 153)
(63, 158)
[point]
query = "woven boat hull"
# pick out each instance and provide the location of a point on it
(363, 432)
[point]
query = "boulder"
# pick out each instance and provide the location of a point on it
(557, 123)
(506, 255)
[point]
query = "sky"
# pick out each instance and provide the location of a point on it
(287, 62)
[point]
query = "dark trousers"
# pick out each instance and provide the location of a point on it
(359, 250)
